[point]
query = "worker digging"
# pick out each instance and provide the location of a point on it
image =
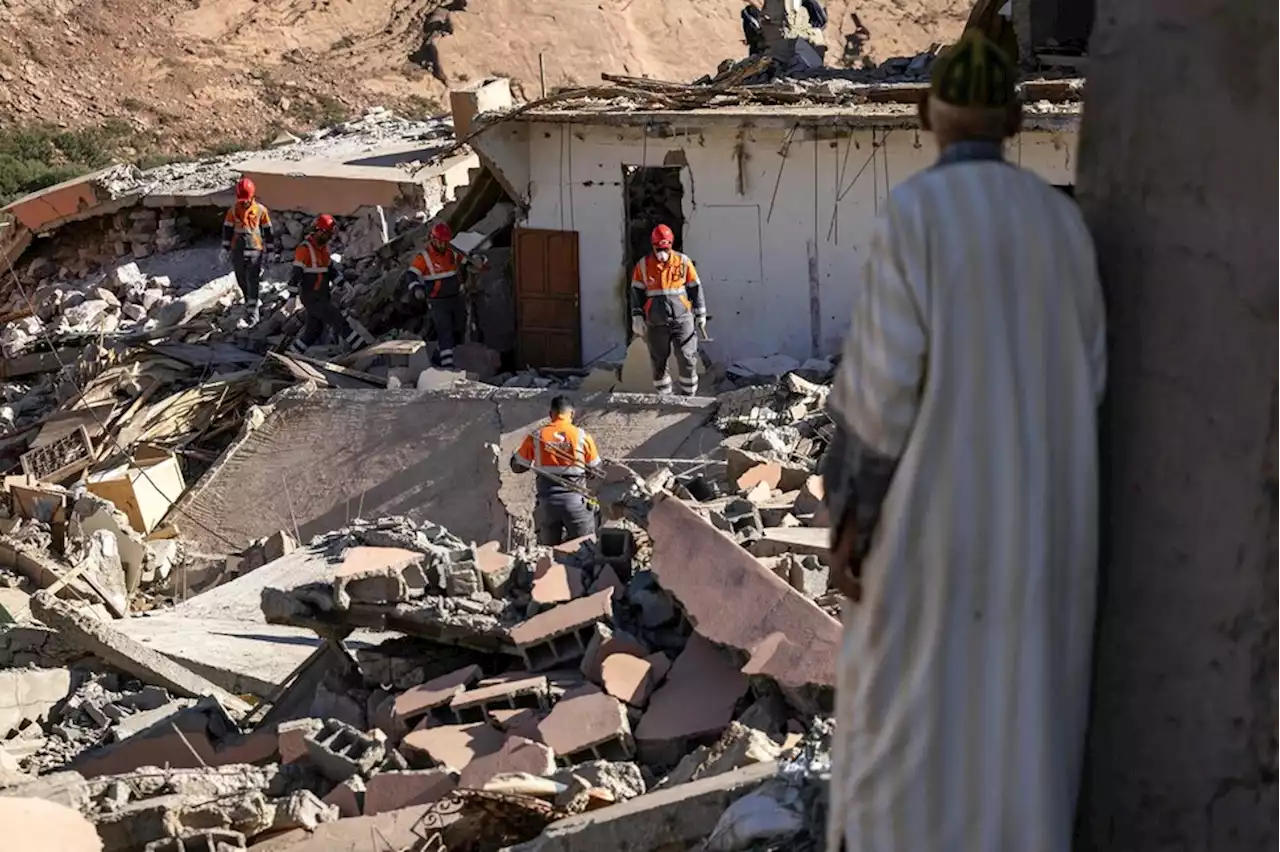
(561, 454)
(669, 310)
(246, 232)
(435, 276)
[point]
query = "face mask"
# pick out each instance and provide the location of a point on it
(663, 255)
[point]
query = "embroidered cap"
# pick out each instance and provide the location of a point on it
(973, 72)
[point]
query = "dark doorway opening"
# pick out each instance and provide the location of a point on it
(653, 196)
(1068, 188)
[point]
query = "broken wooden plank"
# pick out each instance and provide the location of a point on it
(346, 372)
(36, 362)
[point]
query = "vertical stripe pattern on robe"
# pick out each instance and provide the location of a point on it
(976, 356)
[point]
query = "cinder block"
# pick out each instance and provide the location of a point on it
(339, 751)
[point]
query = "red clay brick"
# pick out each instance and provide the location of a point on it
(391, 791)
(347, 797)
(522, 722)
(529, 690)
(608, 579)
(494, 566)
(661, 666)
(605, 642)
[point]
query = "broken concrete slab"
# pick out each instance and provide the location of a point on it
(627, 678)
(698, 699)
(393, 828)
(291, 738)
(36, 824)
(27, 696)
(561, 633)
(450, 746)
(604, 642)
(378, 575)
(495, 568)
(555, 582)
(765, 473)
(127, 655)
(801, 540)
(423, 454)
(586, 724)
(517, 754)
(665, 819)
(347, 797)
(702, 567)
(391, 791)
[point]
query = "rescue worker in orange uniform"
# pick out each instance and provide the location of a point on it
(435, 276)
(312, 278)
(668, 309)
(566, 451)
(246, 232)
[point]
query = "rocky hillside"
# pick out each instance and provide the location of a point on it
(185, 76)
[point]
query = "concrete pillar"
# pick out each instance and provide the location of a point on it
(1182, 749)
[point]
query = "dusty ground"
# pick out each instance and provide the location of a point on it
(198, 73)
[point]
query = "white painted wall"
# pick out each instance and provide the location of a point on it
(752, 250)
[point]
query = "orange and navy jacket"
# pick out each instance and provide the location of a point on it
(313, 269)
(673, 285)
(437, 271)
(246, 227)
(561, 449)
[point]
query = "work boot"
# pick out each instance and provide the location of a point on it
(253, 314)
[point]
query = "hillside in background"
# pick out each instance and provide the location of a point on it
(192, 76)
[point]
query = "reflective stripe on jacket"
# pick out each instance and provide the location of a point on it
(438, 271)
(311, 265)
(676, 282)
(559, 448)
(248, 226)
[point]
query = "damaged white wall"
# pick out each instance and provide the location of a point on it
(778, 258)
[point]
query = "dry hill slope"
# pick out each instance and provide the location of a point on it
(199, 73)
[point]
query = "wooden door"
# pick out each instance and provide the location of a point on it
(548, 319)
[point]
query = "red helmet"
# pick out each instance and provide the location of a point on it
(662, 237)
(245, 189)
(441, 232)
(324, 223)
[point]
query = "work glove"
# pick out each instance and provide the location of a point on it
(701, 323)
(223, 256)
(419, 293)
(638, 327)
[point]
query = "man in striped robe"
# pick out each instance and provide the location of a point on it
(963, 488)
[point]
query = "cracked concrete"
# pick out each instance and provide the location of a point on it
(324, 457)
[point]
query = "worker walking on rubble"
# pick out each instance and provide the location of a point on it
(435, 277)
(312, 278)
(668, 310)
(560, 453)
(962, 480)
(246, 233)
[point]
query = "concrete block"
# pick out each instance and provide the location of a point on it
(379, 575)
(555, 582)
(391, 791)
(118, 650)
(665, 819)
(517, 754)
(522, 722)
(347, 797)
(604, 642)
(38, 825)
(450, 746)
(526, 692)
(698, 699)
(495, 568)
(292, 738)
(627, 678)
(201, 840)
(417, 702)
(477, 359)
(561, 634)
(588, 724)
(339, 750)
(608, 579)
(27, 696)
